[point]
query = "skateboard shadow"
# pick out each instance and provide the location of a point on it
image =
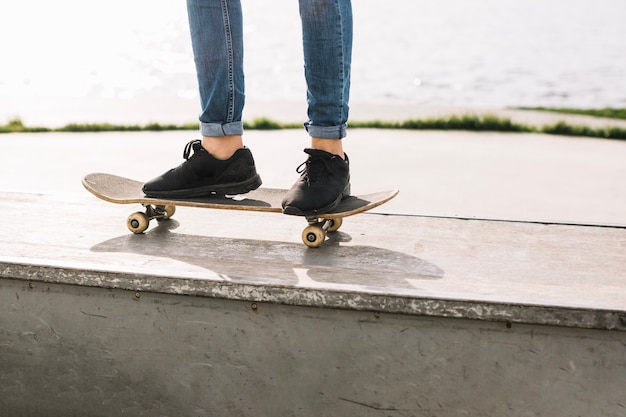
(280, 263)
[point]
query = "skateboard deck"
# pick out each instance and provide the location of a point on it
(120, 190)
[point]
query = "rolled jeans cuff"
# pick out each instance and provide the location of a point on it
(326, 132)
(218, 129)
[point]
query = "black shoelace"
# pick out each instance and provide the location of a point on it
(189, 146)
(315, 169)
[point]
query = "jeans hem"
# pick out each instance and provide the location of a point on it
(326, 132)
(219, 129)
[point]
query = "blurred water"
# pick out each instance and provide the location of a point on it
(444, 52)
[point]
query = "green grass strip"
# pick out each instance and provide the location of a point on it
(467, 122)
(477, 123)
(565, 129)
(607, 112)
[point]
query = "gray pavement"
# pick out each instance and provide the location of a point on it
(537, 297)
(454, 173)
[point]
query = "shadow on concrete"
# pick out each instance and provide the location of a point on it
(280, 263)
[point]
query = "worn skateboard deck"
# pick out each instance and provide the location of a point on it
(120, 190)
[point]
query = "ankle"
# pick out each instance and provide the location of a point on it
(334, 146)
(222, 147)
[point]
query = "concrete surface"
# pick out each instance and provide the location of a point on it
(406, 311)
(218, 313)
(410, 259)
(69, 350)
(474, 175)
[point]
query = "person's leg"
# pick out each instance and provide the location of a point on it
(219, 164)
(217, 40)
(327, 42)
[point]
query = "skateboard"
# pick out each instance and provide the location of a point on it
(120, 190)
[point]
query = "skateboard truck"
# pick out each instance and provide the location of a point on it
(138, 222)
(312, 236)
(315, 233)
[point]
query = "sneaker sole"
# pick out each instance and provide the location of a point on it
(210, 190)
(295, 211)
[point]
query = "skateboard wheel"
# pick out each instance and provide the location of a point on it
(313, 236)
(169, 211)
(334, 224)
(160, 212)
(137, 222)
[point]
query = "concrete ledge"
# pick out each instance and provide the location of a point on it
(227, 313)
(515, 272)
(70, 350)
(377, 302)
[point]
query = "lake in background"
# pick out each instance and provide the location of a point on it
(77, 61)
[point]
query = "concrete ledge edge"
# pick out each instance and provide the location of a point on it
(379, 303)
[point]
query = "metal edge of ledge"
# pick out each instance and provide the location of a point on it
(507, 313)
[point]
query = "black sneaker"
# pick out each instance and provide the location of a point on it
(202, 175)
(323, 183)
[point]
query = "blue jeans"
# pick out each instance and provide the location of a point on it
(217, 41)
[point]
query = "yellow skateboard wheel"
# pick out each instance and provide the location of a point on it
(138, 222)
(313, 236)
